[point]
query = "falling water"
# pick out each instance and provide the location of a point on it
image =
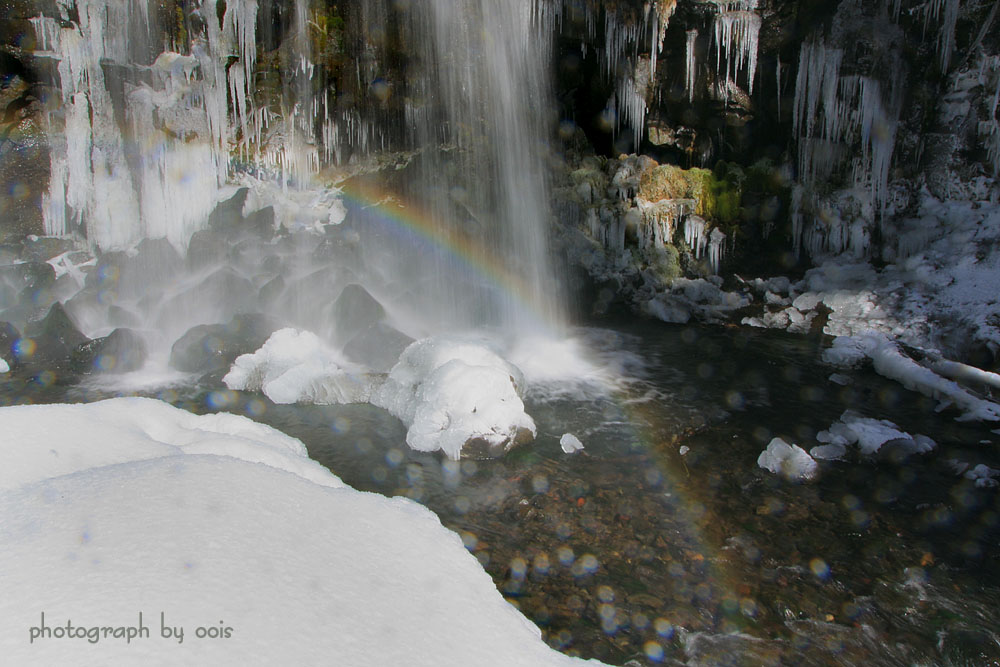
(148, 155)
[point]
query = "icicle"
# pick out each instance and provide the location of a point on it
(947, 12)
(694, 234)
(777, 79)
(690, 72)
(716, 247)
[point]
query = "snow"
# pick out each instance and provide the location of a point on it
(148, 509)
(870, 435)
(4, 366)
(983, 476)
(296, 367)
(889, 361)
(450, 390)
(570, 443)
(790, 461)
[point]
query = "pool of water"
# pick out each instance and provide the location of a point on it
(663, 540)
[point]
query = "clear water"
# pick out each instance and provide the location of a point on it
(632, 551)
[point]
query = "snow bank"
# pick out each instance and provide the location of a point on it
(296, 367)
(453, 390)
(869, 435)
(130, 506)
(790, 461)
(890, 362)
(46, 442)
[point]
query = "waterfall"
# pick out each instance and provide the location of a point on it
(146, 142)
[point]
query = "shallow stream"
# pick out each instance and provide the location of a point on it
(663, 540)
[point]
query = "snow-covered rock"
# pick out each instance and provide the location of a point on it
(570, 443)
(453, 391)
(222, 529)
(870, 435)
(889, 361)
(790, 461)
(296, 367)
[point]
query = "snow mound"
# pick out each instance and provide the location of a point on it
(889, 361)
(296, 367)
(253, 564)
(451, 391)
(75, 438)
(870, 435)
(790, 461)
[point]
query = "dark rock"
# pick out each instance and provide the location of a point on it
(228, 215)
(122, 351)
(41, 248)
(223, 293)
(261, 223)
(9, 335)
(213, 347)
(55, 337)
(354, 311)
(378, 346)
(206, 248)
(156, 263)
(28, 275)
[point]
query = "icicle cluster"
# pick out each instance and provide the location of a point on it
(836, 118)
(736, 29)
(946, 13)
(989, 129)
(143, 178)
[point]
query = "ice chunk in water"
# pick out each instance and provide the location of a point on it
(570, 443)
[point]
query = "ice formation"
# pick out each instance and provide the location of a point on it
(179, 165)
(4, 366)
(691, 67)
(451, 391)
(131, 506)
(736, 29)
(870, 435)
(834, 117)
(790, 461)
(570, 443)
(889, 361)
(296, 367)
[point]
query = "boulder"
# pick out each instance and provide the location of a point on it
(354, 311)
(378, 346)
(55, 338)
(208, 348)
(122, 351)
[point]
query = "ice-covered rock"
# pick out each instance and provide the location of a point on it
(983, 475)
(790, 461)
(873, 437)
(453, 392)
(889, 361)
(296, 367)
(4, 366)
(570, 443)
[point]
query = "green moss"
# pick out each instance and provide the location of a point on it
(664, 262)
